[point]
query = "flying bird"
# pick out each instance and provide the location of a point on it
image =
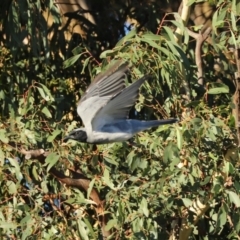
(104, 108)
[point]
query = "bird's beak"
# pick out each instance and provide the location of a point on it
(65, 139)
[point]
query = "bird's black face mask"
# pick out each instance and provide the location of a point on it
(77, 135)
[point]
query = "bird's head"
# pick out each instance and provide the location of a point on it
(78, 134)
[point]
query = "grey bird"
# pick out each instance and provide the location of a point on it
(105, 106)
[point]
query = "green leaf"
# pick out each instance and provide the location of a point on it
(222, 217)
(78, 50)
(187, 202)
(35, 173)
(55, 133)
(175, 50)
(228, 168)
(51, 160)
(27, 231)
(193, 103)
(152, 37)
(30, 135)
(190, 2)
(171, 154)
(157, 46)
(88, 224)
(47, 92)
(143, 164)
(170, 34)
(234, 198)
(179, 139)
(3, 136)
(6, 225)
(42, 93)
(107, 180)
(25, 220)
(91, 184)
(69, 62)
(233, 22)
(2, 157)
(46, 112)
(233, 38)
(218, 90)
(44, 186)
(85, 64)
(111, 160)
(144, 207)
(151, 43)
(131, 34)
(205, 181)
(111, 223)
(121, 215)
(12, 189)
(81, 229)
(108, 53)
(16, 166)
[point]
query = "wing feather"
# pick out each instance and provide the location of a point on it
(119, 106)
(104, 87)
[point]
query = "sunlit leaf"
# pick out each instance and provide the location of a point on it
(15, 164)
(126, 38)
(234, 198)
(144, 207)
(69, 62)
(179, 138)
(111, 223)
(46, 112)
(187, 202)
(55, 133)
(51, 160)
(7, 225)
(218, 90)
(222, 217)
(3, 136)
(12, 189)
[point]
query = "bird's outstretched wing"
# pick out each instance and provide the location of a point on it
(119, 106)
(104, 87)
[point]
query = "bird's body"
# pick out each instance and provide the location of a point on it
(105, 106)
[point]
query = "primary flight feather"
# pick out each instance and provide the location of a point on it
(105, 106)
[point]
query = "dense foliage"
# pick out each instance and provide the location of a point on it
(167, 183)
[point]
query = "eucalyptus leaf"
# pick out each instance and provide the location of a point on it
(218, 90)
(3, 136)
(51, 160)
(234, 198)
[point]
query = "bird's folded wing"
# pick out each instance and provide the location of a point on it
(103, 88)
(118, 108)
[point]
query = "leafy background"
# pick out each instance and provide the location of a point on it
(173, 182)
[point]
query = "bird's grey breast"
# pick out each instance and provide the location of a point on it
(114, 131)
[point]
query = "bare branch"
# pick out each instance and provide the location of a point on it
(200, 38)
(38, 153)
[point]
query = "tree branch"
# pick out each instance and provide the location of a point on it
(200, 38)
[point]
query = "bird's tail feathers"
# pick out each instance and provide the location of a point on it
(155, 123)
